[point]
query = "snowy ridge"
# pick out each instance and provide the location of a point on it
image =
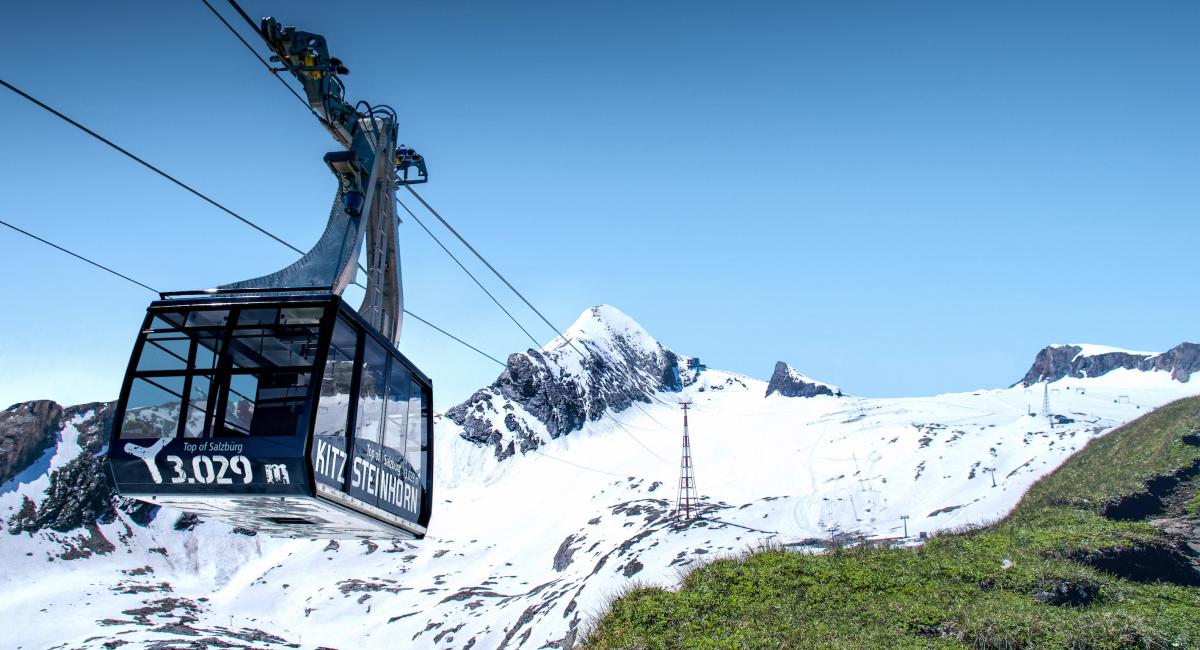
(1058, 361)
(607, 365)
(1094, 350)
(524, 549)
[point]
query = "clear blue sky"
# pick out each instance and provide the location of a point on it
(900, 198)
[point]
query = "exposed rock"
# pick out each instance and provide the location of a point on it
(188, 521)
(25, 519)
(610, 363)
(789, 383)
(1181, 360)
(566, 550)
(27, 430)
(140, 512)
(1059, 361)
(95, 426)
(80, 493)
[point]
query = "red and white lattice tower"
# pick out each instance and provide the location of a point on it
(687, 498)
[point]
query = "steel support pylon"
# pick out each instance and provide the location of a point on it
(333, 262)
(687, 499)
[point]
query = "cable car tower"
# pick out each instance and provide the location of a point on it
(270, 403)
(686, 495)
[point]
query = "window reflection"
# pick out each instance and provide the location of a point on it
(197, 423)
(273, 347)
(334, 403)
(394, 426)
(153, 408)
(418, 416)
(258, 386)
(265, 404)
(370, 394)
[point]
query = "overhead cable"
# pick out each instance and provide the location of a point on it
(469, 274)
(147, 165)
(78, 256)
(259, 56)
(492, 268)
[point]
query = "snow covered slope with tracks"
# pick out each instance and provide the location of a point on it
(524, 547)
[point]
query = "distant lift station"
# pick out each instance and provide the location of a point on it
(270, 403)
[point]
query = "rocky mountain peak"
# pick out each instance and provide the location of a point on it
(1079, 360)
(607, 362)
(788, 382)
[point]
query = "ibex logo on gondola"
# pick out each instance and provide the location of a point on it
(277, 473)
(147, 455)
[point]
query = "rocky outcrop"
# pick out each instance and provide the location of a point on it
(1060, 361)
(27, 430)
(789, 383)
(1181, 361)
(610, 364)
(80, 494)
(94, 422)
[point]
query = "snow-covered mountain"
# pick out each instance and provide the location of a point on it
(554, 491)
(606, 363)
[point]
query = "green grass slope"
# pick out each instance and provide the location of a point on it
(985, 588)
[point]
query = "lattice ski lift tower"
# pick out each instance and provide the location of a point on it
(687, 498)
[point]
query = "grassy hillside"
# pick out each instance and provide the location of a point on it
(1028, 581)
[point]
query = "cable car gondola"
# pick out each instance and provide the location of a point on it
(270, 403)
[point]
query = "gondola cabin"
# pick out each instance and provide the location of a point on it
(283, 413)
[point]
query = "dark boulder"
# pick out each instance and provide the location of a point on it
(1066, 593)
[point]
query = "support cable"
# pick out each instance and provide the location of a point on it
(147, 165)
(501, 363)
(492, 269)
(561, 334)
(78, 256)
(590, 469)
(259, 56)
(469, 274)
(633, 401)
(152, 289)
(264, 231)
